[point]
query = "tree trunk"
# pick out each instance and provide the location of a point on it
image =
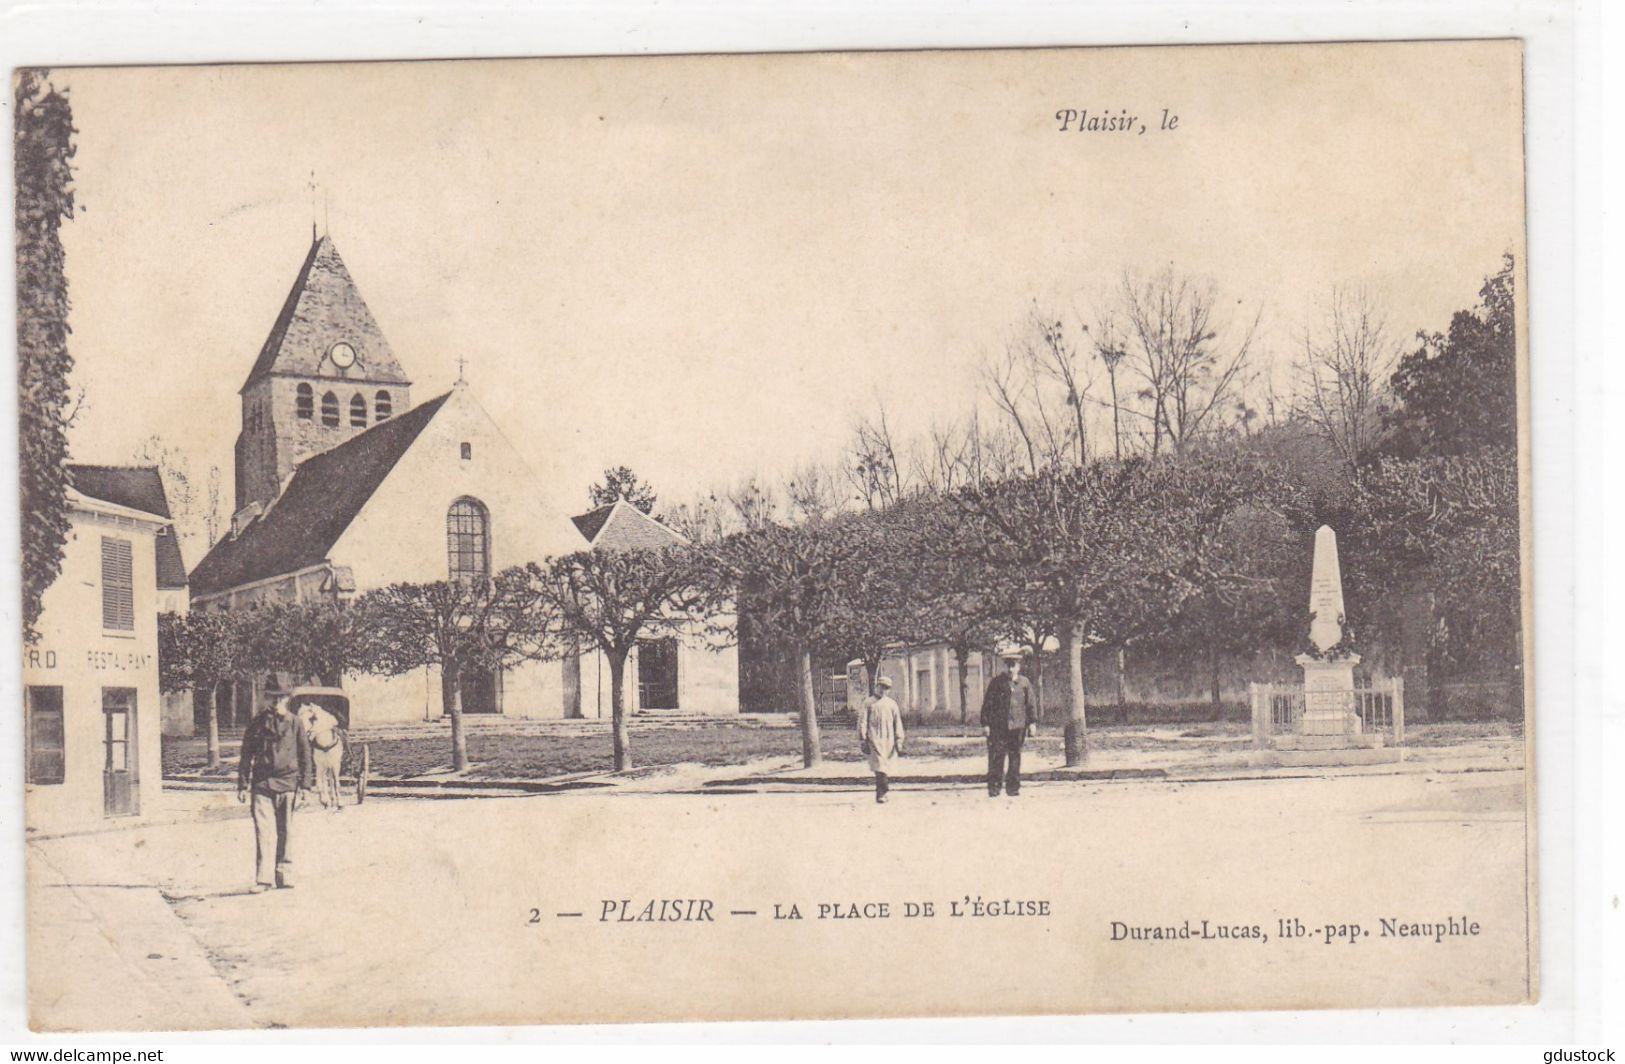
(1077, 723)
(873, 667)
(810, 754)
(451, 700)
(1117, 432)
(1038, 675)
(1121, 669)
(962, 656)
(622, 735)
(1213, 671)
(214, 723)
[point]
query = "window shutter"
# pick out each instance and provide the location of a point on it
(118, 585)
(46, 759)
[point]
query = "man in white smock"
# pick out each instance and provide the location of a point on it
(880, 730)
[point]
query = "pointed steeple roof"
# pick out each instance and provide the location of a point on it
(325, 308)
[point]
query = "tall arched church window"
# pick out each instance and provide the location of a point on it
(358, 411)
(383, 406)
(468, 541)
(330, 410)
(304, 403)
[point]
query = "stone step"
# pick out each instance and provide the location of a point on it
(1344, 741)
(1348, 755)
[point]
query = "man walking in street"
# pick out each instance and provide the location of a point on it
(1009, 715)
(273, 772)
(880, 731)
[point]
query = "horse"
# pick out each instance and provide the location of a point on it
(327, 749)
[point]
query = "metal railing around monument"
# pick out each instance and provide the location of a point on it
(1277, 708)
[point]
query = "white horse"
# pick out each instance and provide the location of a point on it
(327, 743)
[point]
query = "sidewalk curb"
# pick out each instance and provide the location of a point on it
(1109, 776)
(1051, 776)
(587, 781)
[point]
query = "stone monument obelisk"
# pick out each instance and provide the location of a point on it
(1328, 674)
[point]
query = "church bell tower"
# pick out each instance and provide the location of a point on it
(324, 375)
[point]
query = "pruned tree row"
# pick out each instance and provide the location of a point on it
(1191, 540)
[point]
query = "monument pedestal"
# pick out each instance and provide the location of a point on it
(1328, 697)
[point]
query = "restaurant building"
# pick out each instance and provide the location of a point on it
(90, 680)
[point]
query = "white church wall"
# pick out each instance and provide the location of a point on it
(708, 674)
(709, 680)
(532, 690)
(400, 535)
(412, 696)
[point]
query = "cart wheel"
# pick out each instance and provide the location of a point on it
(366, 770)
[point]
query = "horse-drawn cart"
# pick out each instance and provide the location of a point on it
(325, 714)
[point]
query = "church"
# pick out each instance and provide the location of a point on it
(343, 485)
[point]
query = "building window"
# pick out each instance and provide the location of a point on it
(358, 412)
(118, 586)
(45, 745)
(467, 451)
(330, 410)
(383, 406)
(468, 541)
(304, 403)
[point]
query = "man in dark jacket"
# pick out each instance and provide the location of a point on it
(276, 767)
(1009, 715)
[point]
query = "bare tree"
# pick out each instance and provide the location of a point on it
(1341, 371)
(1037, 383)
(996, 451)
(213, 513)
(725, 511)
(1058, 359)
(1006, 386)
(750, 504)
(944, 458)
(1191, 372)
(1111, 348)
(194, 506)
(813, 493)
(703, 521)
(872, 463)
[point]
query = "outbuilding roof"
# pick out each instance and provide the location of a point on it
(622, 526)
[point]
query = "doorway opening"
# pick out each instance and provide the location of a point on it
(657, 674)
(120, 796)
(482, 691)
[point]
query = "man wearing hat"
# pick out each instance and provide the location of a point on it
(1009, 715)
(275, 767)
(880, 730)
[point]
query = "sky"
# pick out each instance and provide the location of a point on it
(706, 267)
